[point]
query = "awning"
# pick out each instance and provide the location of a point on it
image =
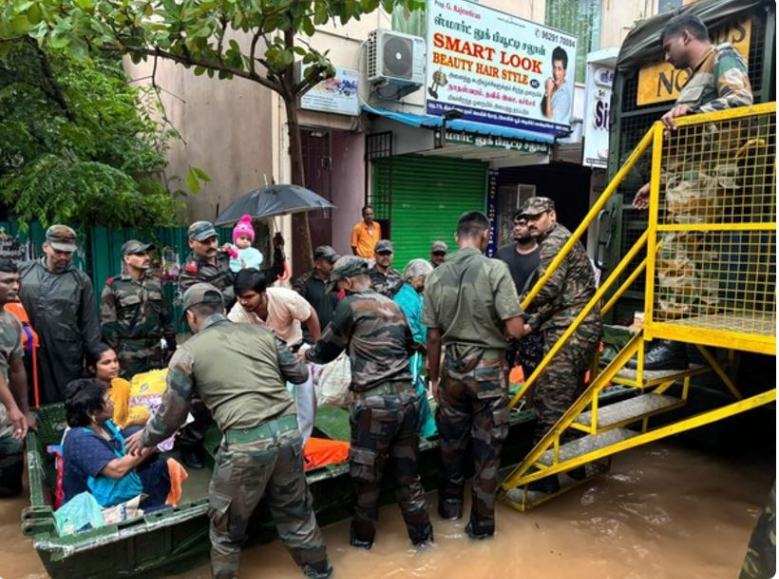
(459, 125)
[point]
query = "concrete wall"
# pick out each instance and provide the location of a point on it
(619, 16)
(226, 128)
(348, 186)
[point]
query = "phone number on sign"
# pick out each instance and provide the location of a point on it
(550, 36)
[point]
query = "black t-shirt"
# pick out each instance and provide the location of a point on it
(521, 266)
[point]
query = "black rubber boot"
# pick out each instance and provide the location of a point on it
(319, 570)
(421, 537)
(361, 536)
(664, 355)
(547, 485)
(450, 509)
(191, 458)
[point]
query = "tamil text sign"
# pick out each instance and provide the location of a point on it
(661, 82)
(498, 69)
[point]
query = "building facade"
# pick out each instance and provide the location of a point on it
(392, 148)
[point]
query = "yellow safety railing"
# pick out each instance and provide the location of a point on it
(713, 177)
(661, 141)
(713, 207)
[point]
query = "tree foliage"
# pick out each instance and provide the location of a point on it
(75, 145)
(195, 32)
(258, 40)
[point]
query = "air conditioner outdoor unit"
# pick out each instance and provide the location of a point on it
(396, 59)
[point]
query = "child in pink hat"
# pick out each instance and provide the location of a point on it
(244, 256)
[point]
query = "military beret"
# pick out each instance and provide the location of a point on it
(201, 230)
(134, 246)
(61, 238)
(349, 266)
(537, 205)
(383, 246)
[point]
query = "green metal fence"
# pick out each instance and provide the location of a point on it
(100, 252)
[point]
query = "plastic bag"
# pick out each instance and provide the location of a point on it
(79, 514)
(334, 382)
(123, 511)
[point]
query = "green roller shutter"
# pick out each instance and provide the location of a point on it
(428, 196)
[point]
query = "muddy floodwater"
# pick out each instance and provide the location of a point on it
(664, 511)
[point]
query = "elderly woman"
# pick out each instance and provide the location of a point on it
(95, 457)
(409, 300)
(409, 296)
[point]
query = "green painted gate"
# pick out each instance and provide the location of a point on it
(428, 196)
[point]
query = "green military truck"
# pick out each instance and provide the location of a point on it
(645, 88)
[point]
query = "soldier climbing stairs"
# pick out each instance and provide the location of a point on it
(712, 186)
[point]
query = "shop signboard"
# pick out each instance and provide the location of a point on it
(334, 95)
(496, 68)
(600, 78)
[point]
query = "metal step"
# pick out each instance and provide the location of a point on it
(522, 499)
(654, 377)
(587, 444)
(629, 410)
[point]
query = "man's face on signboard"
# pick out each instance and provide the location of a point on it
(558, 71)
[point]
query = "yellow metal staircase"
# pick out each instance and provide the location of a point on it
(710, 270)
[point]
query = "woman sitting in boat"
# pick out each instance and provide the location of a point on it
(95, 457)
(135, 400)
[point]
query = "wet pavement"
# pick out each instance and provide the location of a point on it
(664, 511)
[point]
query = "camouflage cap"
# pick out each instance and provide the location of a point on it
(61, 238)
(326, 252)
(383, 246)
(201, 293)
(537, 205)
(201, 230)
(349, 266)
(134, 246)
(439, 247)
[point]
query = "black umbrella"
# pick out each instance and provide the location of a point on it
(273, 200)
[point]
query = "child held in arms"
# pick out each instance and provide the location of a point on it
(242, 254)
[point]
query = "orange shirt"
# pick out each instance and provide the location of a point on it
(364, 238)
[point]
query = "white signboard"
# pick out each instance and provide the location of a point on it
(335, 95)
(498, 69)
(596, 115)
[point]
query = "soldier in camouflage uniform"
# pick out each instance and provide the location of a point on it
(206, 264)
(374, 332)
(552, 311)
(239, 371)
(760, 560)
(470, 306)
(15, 416)
(696, 189)
(134, 316)
(384, 279)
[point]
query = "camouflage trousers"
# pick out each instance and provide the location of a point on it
(245, 472)
(563, 380)
(11, 458)
(137, 356)
(472, 411)
(384, 428)
(760, 560)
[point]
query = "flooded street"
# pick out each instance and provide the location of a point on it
(663, 511)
